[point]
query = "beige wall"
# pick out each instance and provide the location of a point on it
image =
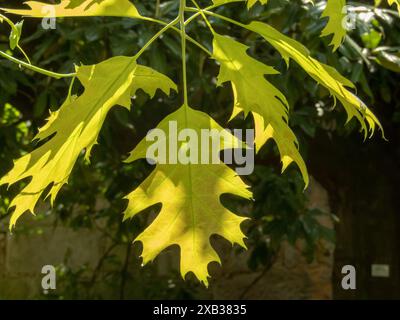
(23, 255)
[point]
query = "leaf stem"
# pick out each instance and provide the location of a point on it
(24, 54)
(156, 36)
(35, 68)
(182, 6)
(69, 75)
(224, 18)
(198, 13)
(14, 28)
(204, 17)
(190, 39)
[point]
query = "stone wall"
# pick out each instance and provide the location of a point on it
(22, 257)
(291, 277)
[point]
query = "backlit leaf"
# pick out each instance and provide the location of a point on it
(325, 75)
(336, 12)
(76, 126)
(78, 8)
(190, 194)
(253, 93)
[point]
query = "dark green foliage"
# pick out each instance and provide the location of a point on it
(280, 211)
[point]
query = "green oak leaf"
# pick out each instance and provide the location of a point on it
(253, 93)
(190, 194)
(325, 75)
(76, 126)
(336, 13)
(78, 8)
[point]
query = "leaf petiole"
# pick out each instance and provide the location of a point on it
(156, 36)
(35, 68)
(190, 39)
(182, 6)
(204, 17)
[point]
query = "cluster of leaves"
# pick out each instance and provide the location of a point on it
(181, 189)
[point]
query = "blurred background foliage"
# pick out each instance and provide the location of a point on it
(370, 57)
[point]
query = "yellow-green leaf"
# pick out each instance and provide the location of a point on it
(76, 125)
(253, 93)
(15, 35)
(78, 8)
(190, 194)
(336, 12)
(325, 75)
